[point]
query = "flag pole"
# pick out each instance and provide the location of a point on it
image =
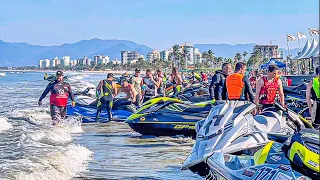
(299, 42)
(288, 53)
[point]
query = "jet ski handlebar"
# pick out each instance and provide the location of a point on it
(280, 107)
(292, 116)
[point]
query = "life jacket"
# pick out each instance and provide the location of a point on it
(149, 87)
(269, 91)
(59, 94)
(235, 86)
(316, 87)
(107, 88)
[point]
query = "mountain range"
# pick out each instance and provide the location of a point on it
(23, 54)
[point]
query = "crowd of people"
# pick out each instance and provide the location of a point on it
(224, 85)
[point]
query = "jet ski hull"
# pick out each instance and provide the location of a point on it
(89, 114)
(166, 124)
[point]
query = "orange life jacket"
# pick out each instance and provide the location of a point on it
(235, 86)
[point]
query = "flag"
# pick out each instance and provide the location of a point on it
(291, 37)
(313, 31)
(301, 35)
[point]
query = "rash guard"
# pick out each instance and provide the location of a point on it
(60, 91)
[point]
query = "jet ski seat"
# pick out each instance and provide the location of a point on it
(267, 121)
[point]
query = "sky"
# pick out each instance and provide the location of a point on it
(158, 24)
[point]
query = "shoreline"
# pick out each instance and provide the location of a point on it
(53, 71)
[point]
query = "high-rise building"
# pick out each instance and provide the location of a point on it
(128, 56)
(268, 51)
(41, 64)
(164, 55)
(65, 61)
(47, 63)
(153, 55)
(189, 52)
(101, 59)
(196, 56)
(53, 63)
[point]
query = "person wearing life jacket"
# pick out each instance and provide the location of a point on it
(60, 93)
(313, 92)
(237, 86)
(128, 89)
(176, 81)
(218, 81)
(135, 81)
(269, 89)
(106, 91)
(149, 86)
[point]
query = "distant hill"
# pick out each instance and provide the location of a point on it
(23, 54)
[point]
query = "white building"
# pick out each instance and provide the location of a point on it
(164, 55)
(196, 56)
(65, 61)
(53, 63)
(47, 63)
(57, 61)
(101, 59)
(189, 51)
(153, 55)
(41, 64)
(128, 56)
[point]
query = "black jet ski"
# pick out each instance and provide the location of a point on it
(296, 90)
(166, 116)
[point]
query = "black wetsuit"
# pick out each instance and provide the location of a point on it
(57, 107)
(106, 100)
(247, 93)
(217, 84)
(316, 122)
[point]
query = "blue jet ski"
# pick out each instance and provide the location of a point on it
(86, 107)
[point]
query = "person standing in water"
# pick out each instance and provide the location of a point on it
(313, 92)
(106, 91)
(149, 86)
(135, 81)
(60, 92)
(176, 81)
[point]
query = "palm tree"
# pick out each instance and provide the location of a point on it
(210, 56)
(204, 56)
(175, 55)
(244, 55)
(238, 57)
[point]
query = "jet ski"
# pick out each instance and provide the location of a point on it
(285, 157)
(296, 90)
(86, 107)
(166, 116)
(231, 128)
(52, 77)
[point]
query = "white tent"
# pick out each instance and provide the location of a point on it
(304, 50)
(315, 52)
(313, 47)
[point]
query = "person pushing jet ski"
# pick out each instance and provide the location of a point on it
(313, 92)
(237, 86)
(128, 89)
(106, 90)
(269, 88)
(60, 92)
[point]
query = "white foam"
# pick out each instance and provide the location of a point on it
(2, 74)
(37, 116)
(59, 165)
(4, 124)
(53, 136)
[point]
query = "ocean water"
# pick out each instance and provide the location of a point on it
(31, 148)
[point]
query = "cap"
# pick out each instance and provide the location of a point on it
(109, 75)
(59, 73)
(137, 70)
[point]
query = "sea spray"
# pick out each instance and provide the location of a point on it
(4, 124)
(59, 165)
